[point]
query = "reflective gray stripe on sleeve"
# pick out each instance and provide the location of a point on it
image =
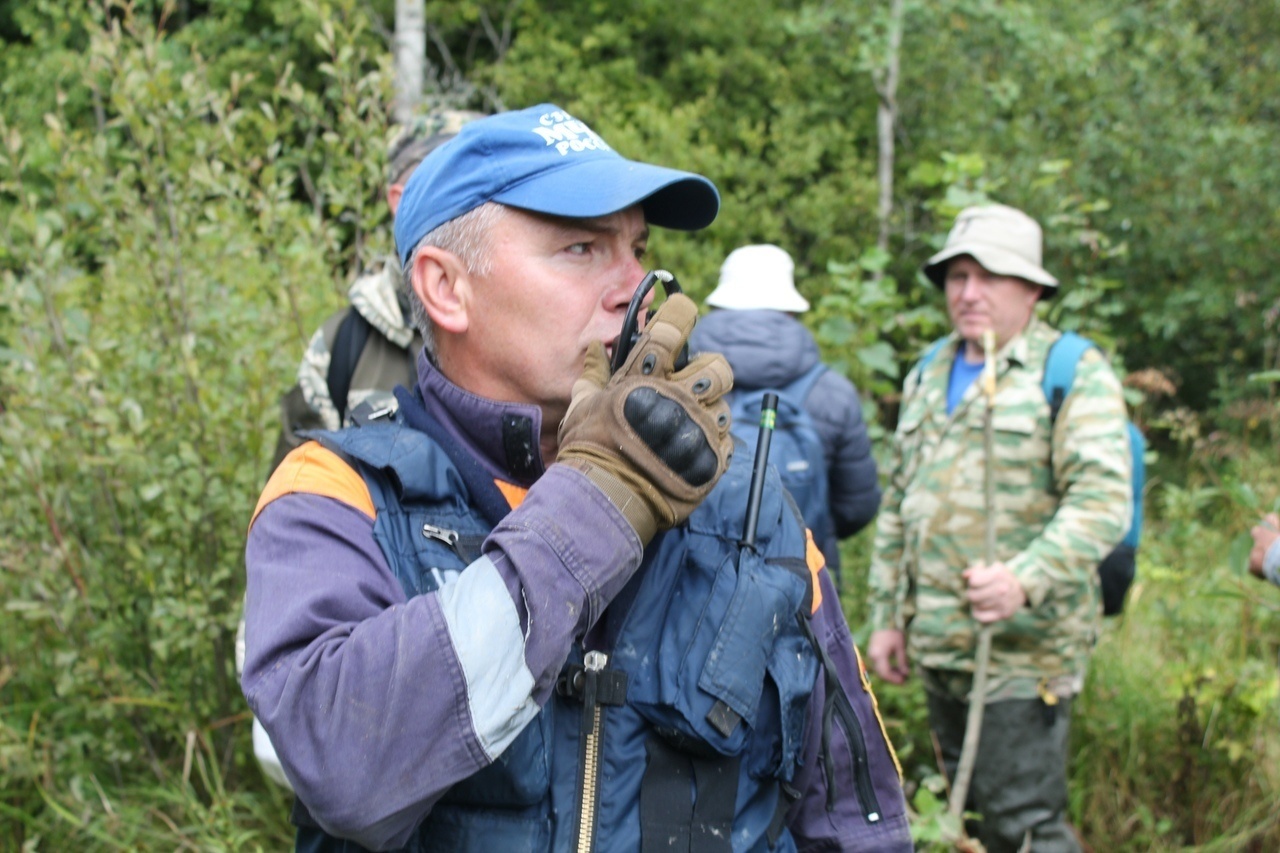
(485, 629)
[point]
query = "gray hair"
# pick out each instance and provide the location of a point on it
(470, 238)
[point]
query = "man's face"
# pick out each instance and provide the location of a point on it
(978, 300)
(552, 287)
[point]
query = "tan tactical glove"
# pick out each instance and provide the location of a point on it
(654, 439)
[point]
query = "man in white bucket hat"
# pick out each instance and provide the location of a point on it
(1062, 502)
(769, 348)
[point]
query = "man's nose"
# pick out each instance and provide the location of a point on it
(969, 289)
(626, 278)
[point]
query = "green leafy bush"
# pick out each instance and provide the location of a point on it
(161, 269)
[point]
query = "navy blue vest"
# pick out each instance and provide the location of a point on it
(712, 639)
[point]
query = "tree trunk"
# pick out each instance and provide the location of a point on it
(886, 120)
(411, 51)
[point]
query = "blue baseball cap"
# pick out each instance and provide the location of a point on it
(544, 160)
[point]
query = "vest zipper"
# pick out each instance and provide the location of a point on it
(861, 763)
(593, 664)
(837, 704)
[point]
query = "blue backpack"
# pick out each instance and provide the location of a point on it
(1117, 569)
(795, 448)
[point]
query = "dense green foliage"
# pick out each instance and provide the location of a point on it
(187, 187)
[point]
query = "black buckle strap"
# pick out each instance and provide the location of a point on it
(787, 797)
(666, 800)
(687, 802)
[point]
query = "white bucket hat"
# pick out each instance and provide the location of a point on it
(1003, 239)
(758, 277)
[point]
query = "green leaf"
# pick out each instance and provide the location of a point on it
(881, 358)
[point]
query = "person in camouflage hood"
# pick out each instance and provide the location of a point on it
(1062, 502)
(388, 342)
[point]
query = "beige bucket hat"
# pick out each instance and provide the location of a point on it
(1003, 239)
(758, 277)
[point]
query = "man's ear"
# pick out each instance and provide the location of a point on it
(394, 191)
(441, 283)
(1037, 294)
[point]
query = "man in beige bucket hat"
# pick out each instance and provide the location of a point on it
(1003, 239)
(1062, 502)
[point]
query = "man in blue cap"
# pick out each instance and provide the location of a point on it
(516, 613)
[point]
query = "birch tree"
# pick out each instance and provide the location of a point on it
(886, 81)
(411, 49)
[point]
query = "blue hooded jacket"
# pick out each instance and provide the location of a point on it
(770, 349)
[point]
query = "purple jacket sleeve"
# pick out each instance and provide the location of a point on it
(845, 826)
(377, 705)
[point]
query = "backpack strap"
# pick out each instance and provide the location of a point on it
(931, 353)
(1060, 370)
(348, 344)
(669, 818)
(1137, 449)
(800, 387)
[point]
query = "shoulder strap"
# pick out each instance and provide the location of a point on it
(1137, 448)
(923, 364)
(930, 353)
(800, 387)
(348, 343)
(1060, 369)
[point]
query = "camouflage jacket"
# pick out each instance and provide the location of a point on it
(387, 359)
(374, 295)
(1062, 502)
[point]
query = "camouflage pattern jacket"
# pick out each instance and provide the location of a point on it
(1062, 503)
(388, 359)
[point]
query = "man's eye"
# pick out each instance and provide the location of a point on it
(640, 252)
(579, 248)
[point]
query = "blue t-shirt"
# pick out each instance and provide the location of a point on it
(962, 375)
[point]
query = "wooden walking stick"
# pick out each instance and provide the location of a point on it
(982, 657)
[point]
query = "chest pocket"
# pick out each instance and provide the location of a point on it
(910, 438)
(918, 504)
(426, 546)
(720, 662)
(1021, 449)
(443, 545)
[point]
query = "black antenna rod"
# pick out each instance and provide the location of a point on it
(768, 419)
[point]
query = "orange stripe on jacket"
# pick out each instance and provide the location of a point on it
(817, 562)
(875, 706)
(514, 494)
(312, 469)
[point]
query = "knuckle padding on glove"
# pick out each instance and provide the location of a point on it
(666, 428)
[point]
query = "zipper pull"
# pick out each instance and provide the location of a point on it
(593, 663)
(448, 537)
